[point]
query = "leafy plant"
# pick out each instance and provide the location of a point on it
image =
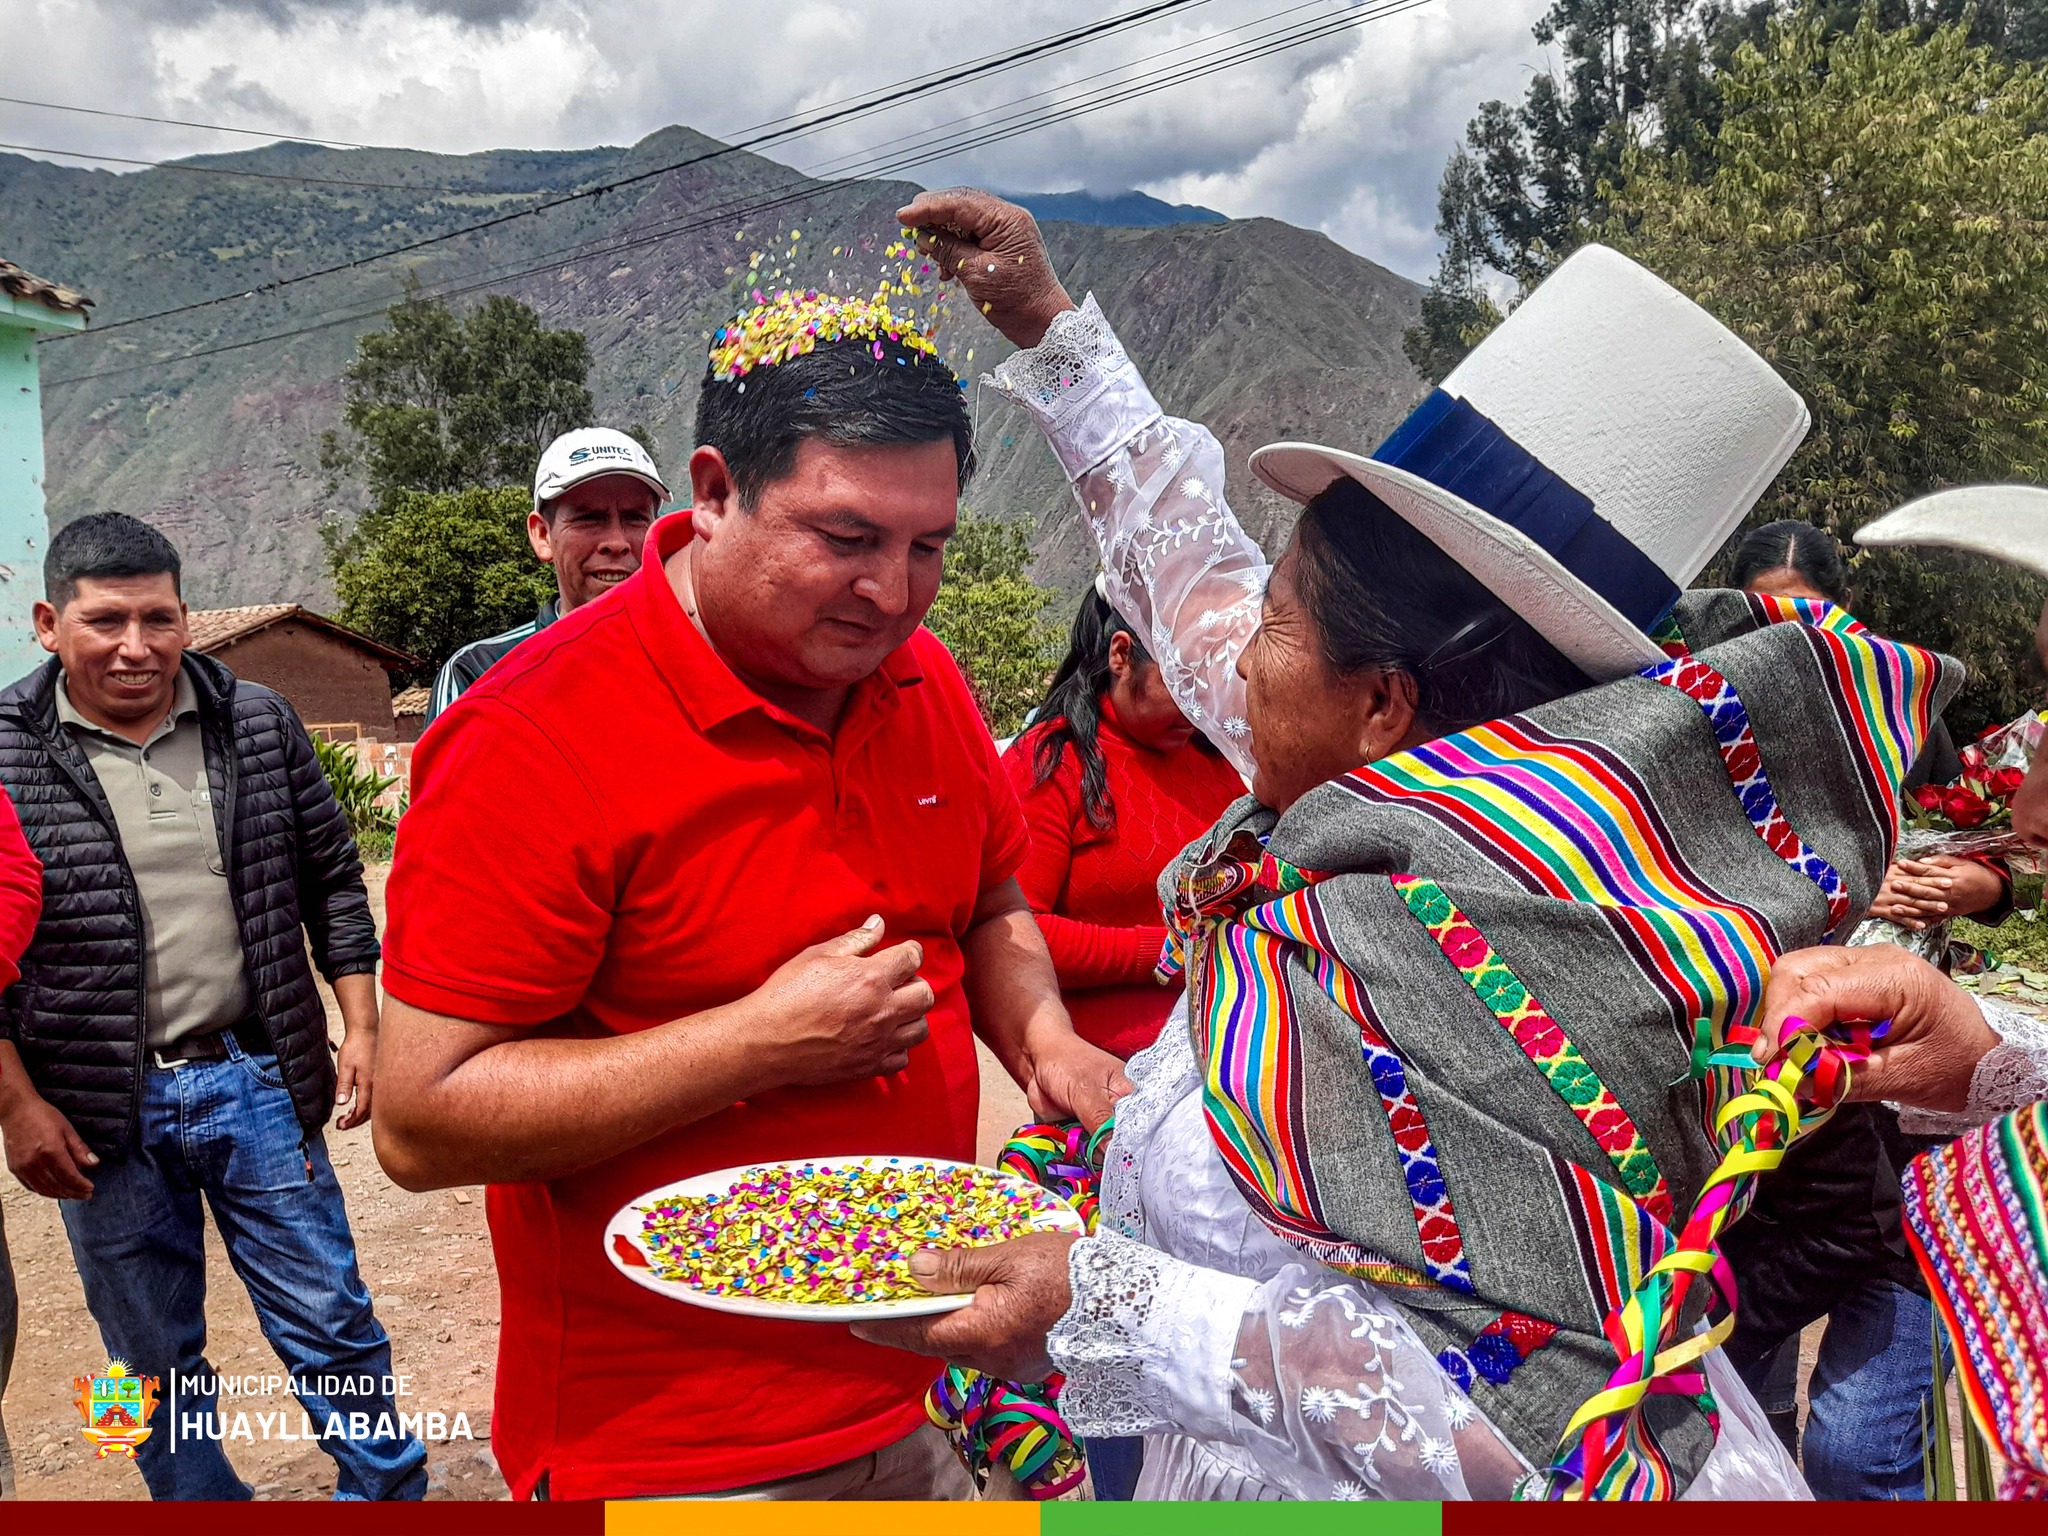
(359, 790)
(1937, 1443)
(1870, 220)
(1643, 77)
(992, 617)
(431, 571)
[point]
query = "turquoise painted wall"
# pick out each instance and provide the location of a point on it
(24, 528)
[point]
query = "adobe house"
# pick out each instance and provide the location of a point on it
(410, 707)
(29, 307)
(339, 681)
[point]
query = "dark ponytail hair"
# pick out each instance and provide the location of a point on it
(1382, 596)
(1072, 708)
(1809, 552)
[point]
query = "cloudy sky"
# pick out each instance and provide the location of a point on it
(1345, 133)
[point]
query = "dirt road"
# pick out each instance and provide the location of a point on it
(427, 1260)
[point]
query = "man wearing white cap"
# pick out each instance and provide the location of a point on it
(595, 495)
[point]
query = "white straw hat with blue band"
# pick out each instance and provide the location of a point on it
(1586, 461)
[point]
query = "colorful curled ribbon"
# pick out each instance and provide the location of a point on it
(1059, 1158)
(1606, 1452)
(1018, 1423)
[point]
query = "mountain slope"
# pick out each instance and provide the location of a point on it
(1260, 329)
(1124, 210)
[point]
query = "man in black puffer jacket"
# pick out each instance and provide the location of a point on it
(166, 1041)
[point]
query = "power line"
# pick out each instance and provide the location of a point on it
(222, 170)
(918, 86)
(1261, 46)
(179, 122)
(740, 210)
(1115, 69)
(831, 170)
(987, 130)
(934, 144)
(928, 149)
(1116, 98)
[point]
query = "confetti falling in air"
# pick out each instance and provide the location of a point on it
(795, 321)
(838, 1235)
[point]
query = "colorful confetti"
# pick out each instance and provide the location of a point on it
(795, 321)
(836, 1235)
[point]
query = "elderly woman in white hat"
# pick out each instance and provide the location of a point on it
(1519, 540)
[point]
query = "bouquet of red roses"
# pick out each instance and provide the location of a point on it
(1970, 818)
(1974, 814)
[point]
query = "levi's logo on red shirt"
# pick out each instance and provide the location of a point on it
(931, 802)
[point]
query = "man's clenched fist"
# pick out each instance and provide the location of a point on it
(843, 1009)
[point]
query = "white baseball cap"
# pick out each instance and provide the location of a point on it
(587, 453)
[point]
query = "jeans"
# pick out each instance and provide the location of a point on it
(226, 1130)
(1871, 1387)
(1114, 1465)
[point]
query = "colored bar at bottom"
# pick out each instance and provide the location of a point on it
(1059, 1518)
(740, 1518)
(1083, 1519)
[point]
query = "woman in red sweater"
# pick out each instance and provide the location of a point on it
(1115, 782)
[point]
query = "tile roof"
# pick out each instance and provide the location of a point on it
(17, 284)
(411, 701)
(213, 628)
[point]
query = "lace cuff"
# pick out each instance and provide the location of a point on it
(1081, 386)
(1146, 1344)
(2012, 1075)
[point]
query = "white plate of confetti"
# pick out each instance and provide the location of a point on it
(824, 1240)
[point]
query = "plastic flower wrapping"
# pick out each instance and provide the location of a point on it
(1979, 802)
(1970, 818)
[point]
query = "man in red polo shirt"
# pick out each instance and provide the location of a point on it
(716, 870)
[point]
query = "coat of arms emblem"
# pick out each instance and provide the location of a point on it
(116, 1407)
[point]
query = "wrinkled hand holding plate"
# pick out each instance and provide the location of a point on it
(625, 1242)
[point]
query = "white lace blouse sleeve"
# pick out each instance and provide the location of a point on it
(1320, 1381)
(2012, 1075)
(1178, 564)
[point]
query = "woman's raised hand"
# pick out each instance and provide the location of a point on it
(1938, 1033)
(993, 249)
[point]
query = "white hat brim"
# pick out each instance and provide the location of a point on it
(599, 473)
(2006, 522)
(1586, 628)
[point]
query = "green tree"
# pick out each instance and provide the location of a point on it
(992, 617)
(438, 401)
(1874, 221)
(430, 571)
(1633, 76)
(1631, 71)
(1520, 194)
(1457, 311)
